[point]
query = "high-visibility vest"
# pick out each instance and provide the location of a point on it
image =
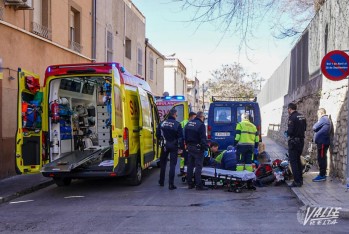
(241, 167)
(246, 133)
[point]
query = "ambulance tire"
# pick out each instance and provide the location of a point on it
(60, 182)
(136, 176)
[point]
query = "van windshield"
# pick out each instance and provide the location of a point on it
(222, 115)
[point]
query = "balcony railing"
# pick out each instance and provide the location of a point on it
(75, 46)
(41, 31)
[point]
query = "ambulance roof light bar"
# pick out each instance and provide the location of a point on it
(172, 98)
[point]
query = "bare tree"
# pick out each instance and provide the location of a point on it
(231, 80)
(242, 17)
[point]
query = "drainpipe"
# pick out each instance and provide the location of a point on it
(94, 19)
(145, 59)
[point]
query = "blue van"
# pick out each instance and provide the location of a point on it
(223, 117)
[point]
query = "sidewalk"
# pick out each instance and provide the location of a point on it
(330, 193)
(19, 185)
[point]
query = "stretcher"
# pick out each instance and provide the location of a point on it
(234, 180)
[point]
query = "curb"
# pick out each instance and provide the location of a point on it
(344, 212)
(26, 191)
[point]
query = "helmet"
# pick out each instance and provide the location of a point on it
(276, 162)
(284, 163)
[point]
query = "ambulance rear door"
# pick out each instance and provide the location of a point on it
(182, 111)
(31, 141)
(119, 134)
(147, 127)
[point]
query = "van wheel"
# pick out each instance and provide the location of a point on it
(60, 182)
(136, 176)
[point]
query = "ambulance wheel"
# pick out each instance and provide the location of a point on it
(136, 176)
(158, 164)
(60, 182)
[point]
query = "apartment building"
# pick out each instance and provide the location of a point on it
(154, 73)
(35, 34)
(175, 77)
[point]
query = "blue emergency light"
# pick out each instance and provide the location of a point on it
(177, 97)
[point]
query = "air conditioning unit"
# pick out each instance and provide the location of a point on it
(20, 4)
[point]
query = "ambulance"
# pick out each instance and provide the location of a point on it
(87, 120)
(178, 102)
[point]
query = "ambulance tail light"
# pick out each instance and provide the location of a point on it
(209, 132)
(126, 142)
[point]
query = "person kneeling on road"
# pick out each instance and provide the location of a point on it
(210, 155)
(227, 159)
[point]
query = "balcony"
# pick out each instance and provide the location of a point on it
(41, 31)
(75, 46)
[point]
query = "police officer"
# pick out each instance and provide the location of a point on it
(246, 139)
(184, 156)
(171, 133)
(296, 130)
(195, 138)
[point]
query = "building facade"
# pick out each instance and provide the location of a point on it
(36, 34)
(175, 77)
(154, 72)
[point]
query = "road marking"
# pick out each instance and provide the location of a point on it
(74, 197)
(21, 201)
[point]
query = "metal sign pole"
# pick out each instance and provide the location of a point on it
(348, 137)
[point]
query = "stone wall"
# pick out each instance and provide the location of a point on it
(309, 89)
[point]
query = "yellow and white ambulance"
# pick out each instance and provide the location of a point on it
(87, 120)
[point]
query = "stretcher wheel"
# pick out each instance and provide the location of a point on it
(237, 190)
(183, 179)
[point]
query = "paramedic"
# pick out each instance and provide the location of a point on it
(296, 132)
(184, 156)
(171, 132)
(195, 138)
(227, 159)
(246, 139)
(210, 155)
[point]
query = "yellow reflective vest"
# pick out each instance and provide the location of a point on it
(246, 133)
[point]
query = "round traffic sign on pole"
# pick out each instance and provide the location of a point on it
(335, 65)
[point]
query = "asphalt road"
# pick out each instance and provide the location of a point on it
(111, 206)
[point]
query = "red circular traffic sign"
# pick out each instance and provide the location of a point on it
(335, 65)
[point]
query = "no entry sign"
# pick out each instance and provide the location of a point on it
(335, 65)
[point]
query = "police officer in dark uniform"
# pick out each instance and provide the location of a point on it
(171, 133)
(296, 130)
(195, 138)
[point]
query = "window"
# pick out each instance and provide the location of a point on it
(128, 48)
(74, 30)
(222, 115)
(151, 67)
(40, 24)
(118, 107)
(180, 113)
(109, 46)
(245, 109)
(140, 62)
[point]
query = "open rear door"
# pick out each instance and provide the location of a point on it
(147, 132)
(182, 111)
(119, 135)
(31, 152)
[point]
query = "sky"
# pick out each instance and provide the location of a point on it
(202, 49)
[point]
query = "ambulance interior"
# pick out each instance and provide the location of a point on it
(82, 122)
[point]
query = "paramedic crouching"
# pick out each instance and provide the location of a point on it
(195, 138)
